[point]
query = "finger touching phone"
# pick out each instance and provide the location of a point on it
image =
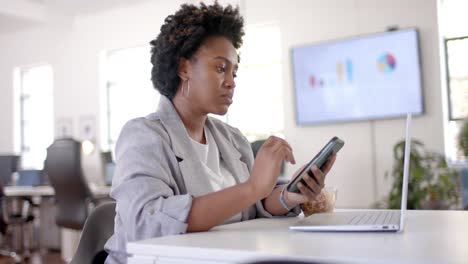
(332, 147)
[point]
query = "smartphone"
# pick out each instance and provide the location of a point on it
(333, 146)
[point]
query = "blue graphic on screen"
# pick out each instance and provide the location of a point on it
(349, 70)
(370, 77)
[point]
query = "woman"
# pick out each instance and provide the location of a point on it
(178, 170)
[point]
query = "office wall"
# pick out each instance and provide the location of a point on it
(73, 48)
(361, 166)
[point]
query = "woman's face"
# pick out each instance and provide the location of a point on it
(211, 72)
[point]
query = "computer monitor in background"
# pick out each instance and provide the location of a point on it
(108, 166)
(8, 165)
(109, 173)
(31, 178)
(361, 78)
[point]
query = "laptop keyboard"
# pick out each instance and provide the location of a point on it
(377, 217)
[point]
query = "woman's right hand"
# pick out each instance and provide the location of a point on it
(267, 165)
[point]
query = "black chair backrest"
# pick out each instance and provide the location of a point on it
(3, 224)
(8, 165)
(98, 228)
(72, 194)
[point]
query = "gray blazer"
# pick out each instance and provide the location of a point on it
(158, 171)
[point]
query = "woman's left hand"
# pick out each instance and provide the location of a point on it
(314, 184)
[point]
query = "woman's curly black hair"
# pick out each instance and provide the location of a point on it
(182, 34)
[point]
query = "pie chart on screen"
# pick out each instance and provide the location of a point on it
(386, 63)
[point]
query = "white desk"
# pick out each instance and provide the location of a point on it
(36, 191)
(100, 190)
(28, 191)
(429, 237)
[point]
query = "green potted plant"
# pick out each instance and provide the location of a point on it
(463, 139)
(432, 184)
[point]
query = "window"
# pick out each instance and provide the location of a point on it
(453, 27)
(129, 91)
(457, 69)
(34, 114)
(258, 104)
(258, 98)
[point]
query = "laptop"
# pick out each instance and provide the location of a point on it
(364, 220)
(31, 178)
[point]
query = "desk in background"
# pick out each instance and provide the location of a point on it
(42, 196)
(429, 237)
(41, 191)
(28, 191)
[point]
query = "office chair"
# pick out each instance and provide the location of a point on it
(73, 197)
(98, 228)
(15, 222)
(8, 165)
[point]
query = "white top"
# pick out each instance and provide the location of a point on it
(220, 176)
(429, 237)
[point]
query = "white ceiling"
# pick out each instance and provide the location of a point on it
(18, 15)
(9, 24)
(79, 7)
